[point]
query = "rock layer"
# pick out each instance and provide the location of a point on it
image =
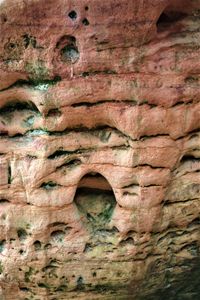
(99, 148)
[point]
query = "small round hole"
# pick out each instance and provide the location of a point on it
(70, 54)
(22, 234)
(86, 8)
(12, 46)
(85, 22)
(72, 15)
(37, 245)
(4, 18)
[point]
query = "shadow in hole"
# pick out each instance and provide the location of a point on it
(96, 202)
(168, 18)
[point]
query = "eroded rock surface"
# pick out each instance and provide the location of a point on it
(99, 149)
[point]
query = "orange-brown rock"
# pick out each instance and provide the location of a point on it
(99, 149)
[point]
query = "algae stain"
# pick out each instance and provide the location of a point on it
(37, 71)
(29, 121)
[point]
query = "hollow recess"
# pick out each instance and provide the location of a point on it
(49, 185)
(67, 46)
(37, 245)
(22, 234)
(4, 201)
(16, 105)
(85, 22)
(95, 200)
(189, 158)
(168, 18)
(72, 15)
(58, 235)
(2, 245)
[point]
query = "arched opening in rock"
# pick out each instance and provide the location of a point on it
(95, 201)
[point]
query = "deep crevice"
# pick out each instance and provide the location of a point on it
(70, 164)
(181, 103)
(4, 201)
(55, 112)
(18, 106)
(37, 84)
(9, 175)
(192, 79)
(2, 245)
(132, 185)
(150, 166)
(81, 129)
(189, 158)
(127, 241)
(145, 137)
(57, 224)
(101, 131)
(58, 153)
(49, 185)
(89, 104)
(93, 73)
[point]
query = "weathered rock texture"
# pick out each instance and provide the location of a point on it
(99, 149)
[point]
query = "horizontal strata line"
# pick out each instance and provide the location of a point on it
(114, 165)
(99, 102)
(56, 25)
(41, 132)
(170, 230)
(177, 177)
(185, 230)
(127, 102)
(130, 23)
(134, 168)
(32, 83)
(21, 105)
(20, 83)
(93, 260)
(168, 203)
(185, 245)
(59, 153)
(18, 105)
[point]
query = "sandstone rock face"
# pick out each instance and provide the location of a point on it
(99, 149)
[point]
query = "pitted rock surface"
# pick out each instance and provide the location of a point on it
(99, 149)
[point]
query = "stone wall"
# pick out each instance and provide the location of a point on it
(99, 148)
